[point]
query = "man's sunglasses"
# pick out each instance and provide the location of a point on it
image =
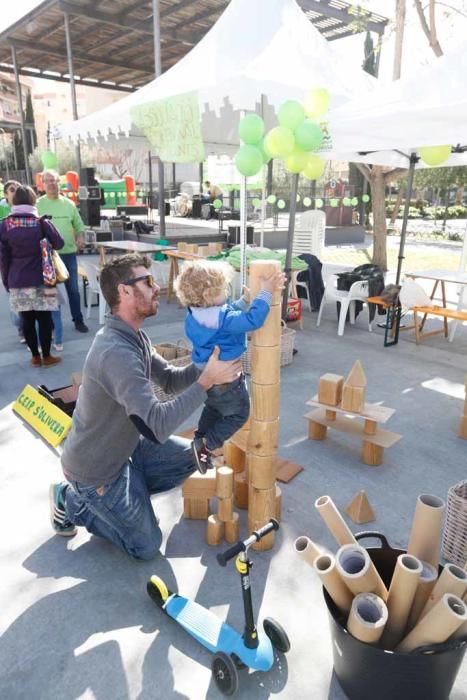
(11, 189)
(149, 280)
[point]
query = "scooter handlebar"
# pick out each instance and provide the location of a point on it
(256, 536)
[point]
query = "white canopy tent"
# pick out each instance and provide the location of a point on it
(257, 55)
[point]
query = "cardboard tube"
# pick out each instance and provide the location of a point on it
(443, 620)
(358, 571)
(426, 584)
(266, 364)
(402, 591)
(452, 580)
(334, 520)
(368, 617)
(232, 529)
(461, 632)
(267, 335)
(425, 536)
(325, 567)
(263, 437)
(264, 401)
(307, 549)
(262, 471)
(259, 270)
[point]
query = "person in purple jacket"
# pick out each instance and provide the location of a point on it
(21, 271)
(202, 287)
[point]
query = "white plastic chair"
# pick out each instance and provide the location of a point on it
(357, 292)
(308, 238)
(91, 270)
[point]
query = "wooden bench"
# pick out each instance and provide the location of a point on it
(442, 312)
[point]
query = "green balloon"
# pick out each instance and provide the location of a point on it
(256, 202)
(314, 167)
(280, 204)
(296, 161)
(346, 202)
(309, 135)
(291, 114)
(365, 198)
(354, 201)
(264, 152)
(248, 160)
(251, 129)
(271, 199)
(434, 155)
(49, 160)
(217, 203)
(333, 202)
(236, 204)
(279, 142)
(319, 203)
(307, 201)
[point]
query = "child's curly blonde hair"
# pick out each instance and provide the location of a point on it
(200, 282)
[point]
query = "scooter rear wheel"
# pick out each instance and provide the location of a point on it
(224, 673)
(157, 591)
(276, 634)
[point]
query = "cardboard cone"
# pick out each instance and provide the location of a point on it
(307, 549)
(325, 567)
(368, 617)
(359, 509)
(400, 598)
(443, 620)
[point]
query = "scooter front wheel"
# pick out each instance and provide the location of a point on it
(157, 591)
(276, 634)
(224, 673)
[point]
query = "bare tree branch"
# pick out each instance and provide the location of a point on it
(395, 174)
(430, 32)
(365, 170)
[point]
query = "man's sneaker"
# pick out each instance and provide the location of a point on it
(58, 519)
(201, 455)
(81, 327)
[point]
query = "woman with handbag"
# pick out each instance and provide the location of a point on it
(23, 274)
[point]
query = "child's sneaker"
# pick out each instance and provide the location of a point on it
(202, 455)
(58, 519)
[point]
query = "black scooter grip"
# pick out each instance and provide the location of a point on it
(230, 553)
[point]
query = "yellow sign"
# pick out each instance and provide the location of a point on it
(46, 419)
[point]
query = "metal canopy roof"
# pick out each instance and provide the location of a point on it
(112, 40)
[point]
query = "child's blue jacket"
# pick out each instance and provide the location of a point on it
(233, 324)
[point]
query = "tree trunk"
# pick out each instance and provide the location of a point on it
(429, 29)
(460, 195)
(378, 190)
(399, 39)
(397, 206)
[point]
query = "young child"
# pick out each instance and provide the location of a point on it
(202, 287)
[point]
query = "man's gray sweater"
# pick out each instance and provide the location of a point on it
(116, 403)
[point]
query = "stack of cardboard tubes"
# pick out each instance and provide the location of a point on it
(420, 608)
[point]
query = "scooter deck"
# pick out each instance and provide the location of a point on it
(216, 635)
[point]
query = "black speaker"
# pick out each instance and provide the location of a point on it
(196, 208)
(90, 210)
(87, 176)
(233, 236)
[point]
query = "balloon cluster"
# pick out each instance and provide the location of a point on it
(293, 141)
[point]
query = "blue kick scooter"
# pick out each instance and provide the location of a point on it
(231, 649)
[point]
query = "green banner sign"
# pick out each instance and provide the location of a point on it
(173, 127)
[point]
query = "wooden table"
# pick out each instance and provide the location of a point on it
(130, 247)
(441, 278)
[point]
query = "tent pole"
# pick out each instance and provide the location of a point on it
(71, 76)
(263, 204)
(157, 73)
(243, 225)
(290, 235)
(150, 185)
(413, 160)
(19, 99)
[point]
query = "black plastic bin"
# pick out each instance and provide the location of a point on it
(366, 672)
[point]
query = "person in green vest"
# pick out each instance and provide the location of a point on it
(67, 220)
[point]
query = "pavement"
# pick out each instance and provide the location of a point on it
(76, 621)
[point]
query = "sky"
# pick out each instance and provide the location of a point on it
(452, 30)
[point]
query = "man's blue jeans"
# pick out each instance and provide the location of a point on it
(72, 288)
(122, 511)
